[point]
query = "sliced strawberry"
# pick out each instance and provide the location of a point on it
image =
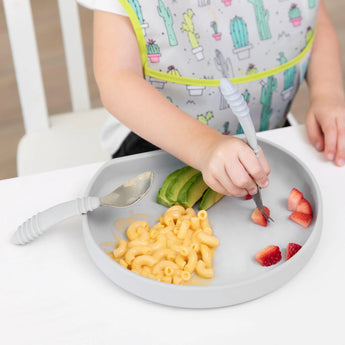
(292, 249)
(269, 256)
(258, 217)
(294, 198)
(301, 218)
(248, 197)
(304, 207)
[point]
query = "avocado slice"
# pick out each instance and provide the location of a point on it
(192, 191)
(209, 198)
(161, 195)
(173, 189)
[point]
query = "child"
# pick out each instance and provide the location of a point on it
(158, 64)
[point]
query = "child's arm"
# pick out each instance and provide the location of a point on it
(325, 121)
(228, 165)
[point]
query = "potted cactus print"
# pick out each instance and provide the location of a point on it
(251, 70)
(239, 34)
(205, 118)
(157, 83)
(195, 90)
(188, 26)
(173, 71)
(227, 2)
(137, 8)
(309, 34)
(153, 51)
(295, 15)
(289, 76)
(216, 35)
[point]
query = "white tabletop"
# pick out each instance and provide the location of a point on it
(52, 293)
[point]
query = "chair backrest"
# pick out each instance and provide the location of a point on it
(27, 64)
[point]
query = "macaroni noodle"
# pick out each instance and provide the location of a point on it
(180, 245)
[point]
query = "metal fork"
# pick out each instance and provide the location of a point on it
(258, 202)
(241, 110)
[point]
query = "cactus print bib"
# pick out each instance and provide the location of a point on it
(263, 46)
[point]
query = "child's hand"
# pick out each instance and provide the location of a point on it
(325, 123)
(230, 167)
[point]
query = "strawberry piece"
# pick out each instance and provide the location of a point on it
(292, 249)
(258, 217)
(301, 218)
(294, 198)
(269, 256)
(304, 207)
(248, 197)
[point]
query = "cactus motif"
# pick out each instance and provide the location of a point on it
(216, 35)
(266, 101)
(239, 35)
(311, 3)
(261, 16)
(173, 71)
(205, 118)
(239, 129)
(239, 32)
(226, 128)
(309, 34)
(137, 8)
(188, 26)
(289, 74)
(295, 15)
(251, 69)
(153, 51)
(165, 13)
(246, 96)
(222, 65)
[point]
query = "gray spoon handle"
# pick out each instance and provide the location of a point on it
(42, 221)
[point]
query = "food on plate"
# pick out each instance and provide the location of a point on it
(183, 176)
(301, 218)
(304, 207)
(161, 195)
(179, 246)
(292, 249)
(192, 191)
(185, 186)
(258, 217)
(248, 197)
(209, 198)
(294, 198)
(269, 256)
(302, 212)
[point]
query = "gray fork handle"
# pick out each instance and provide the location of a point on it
(41, 222)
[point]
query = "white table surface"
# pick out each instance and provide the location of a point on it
(52, 293)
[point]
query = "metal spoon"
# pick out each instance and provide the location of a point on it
(123, 196)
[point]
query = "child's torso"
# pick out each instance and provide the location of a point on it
(187, 46)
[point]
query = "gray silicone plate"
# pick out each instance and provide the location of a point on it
(238, 277)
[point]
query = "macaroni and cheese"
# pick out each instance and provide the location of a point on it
(180, 245)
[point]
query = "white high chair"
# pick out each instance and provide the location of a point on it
(58, 141)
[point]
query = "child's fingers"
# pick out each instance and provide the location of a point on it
(224, 185)
(314, 133)
(258, 169)
(238, 175)
(340, 155)
(330, 135)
